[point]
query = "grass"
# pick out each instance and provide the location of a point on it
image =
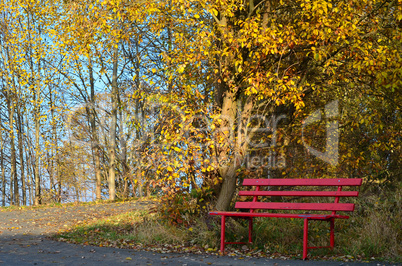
(138, 229)
(373, 232)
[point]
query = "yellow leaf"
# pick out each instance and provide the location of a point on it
(214, 11)
(177, 149)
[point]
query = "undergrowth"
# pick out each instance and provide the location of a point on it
(138, 229)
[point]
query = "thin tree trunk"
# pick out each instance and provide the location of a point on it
(14, 190)
(77, 190)
(55, 157)
(21, 153)
(139, 109)
(139, 183)
(29, 186)
(11, 191)
(125, 166)
(94, 132)
(53, 173)
(123, 149)
(113, 126)
(49, 157)
(3, 172)
(30, 180)
(97, 170)
(36, 103)
(58, 177)
(13, 173)
(38, 199)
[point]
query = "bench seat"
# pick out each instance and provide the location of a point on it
(280, 215)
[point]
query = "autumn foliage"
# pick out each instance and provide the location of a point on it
(183, 99)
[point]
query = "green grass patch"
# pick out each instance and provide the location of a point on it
(138, 229)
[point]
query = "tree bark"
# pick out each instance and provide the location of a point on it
(3, 172)
(94, 132)
(38, 199)
(13, 172)
(123, 156)
(30, 178)
(227, 168)
(21, 153)
(239, 142)
(113, 126)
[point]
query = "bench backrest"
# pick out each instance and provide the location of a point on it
(334, 183)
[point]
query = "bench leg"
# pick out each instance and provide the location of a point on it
(250, 230)
(223, 225)
(332, 234)
(305, 239)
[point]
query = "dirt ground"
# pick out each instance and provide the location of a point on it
(46, 221)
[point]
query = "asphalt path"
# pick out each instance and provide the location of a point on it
(24, 240)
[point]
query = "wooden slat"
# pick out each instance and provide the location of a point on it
(303, 182)
(301, 193)
(296, 206)
(279, 215)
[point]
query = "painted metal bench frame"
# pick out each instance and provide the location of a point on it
(254, 205)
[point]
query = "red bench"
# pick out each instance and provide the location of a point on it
(326, 211)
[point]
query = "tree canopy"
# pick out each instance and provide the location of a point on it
(115, 98)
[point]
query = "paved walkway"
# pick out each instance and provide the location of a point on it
(24, 241)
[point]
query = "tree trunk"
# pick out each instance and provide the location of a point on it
(38, 199)
(13, 172)
(57, 162)
(228, 188)
(139, 183)
(21, 153)
(58, 177)
(3, 172)
(123, 151)
(94, 132)
(113, 126)
(124, 164)
(235, 146)
(29, 164)
(140, 115)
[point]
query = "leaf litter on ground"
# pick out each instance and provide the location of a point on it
(123, 230)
